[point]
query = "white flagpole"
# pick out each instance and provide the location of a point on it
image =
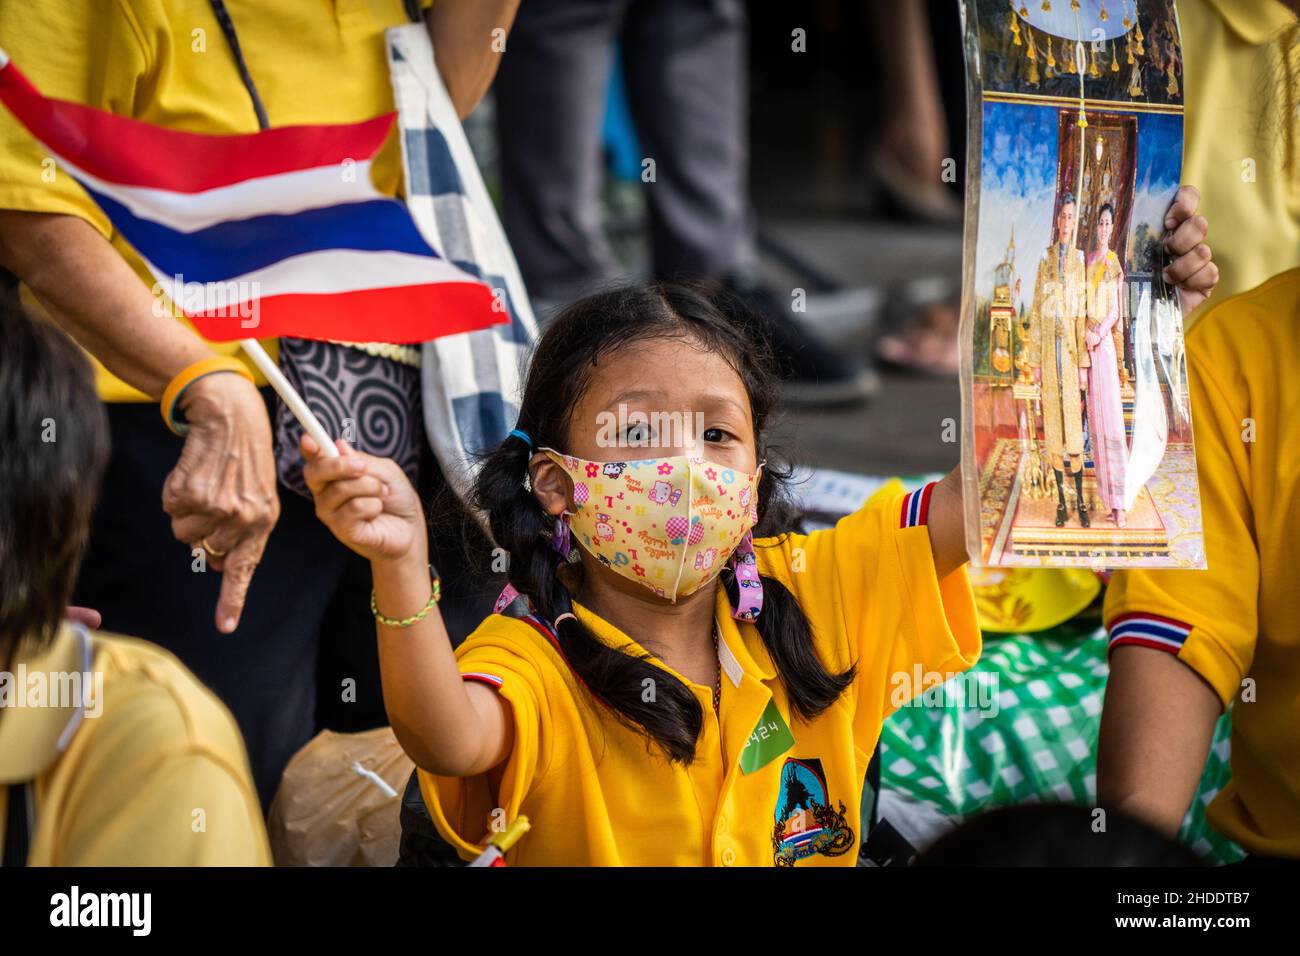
(309, 422)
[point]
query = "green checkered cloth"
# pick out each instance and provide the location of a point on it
(961, 758)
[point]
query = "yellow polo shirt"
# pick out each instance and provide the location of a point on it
(1237, 619)
(313, 61)
(1242, 136)
(765, 788)
(146, 769)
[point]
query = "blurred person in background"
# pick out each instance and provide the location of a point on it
(906, 160)
(1185, 646)
(920, 105)
(232, 573)
(1242, 135)
(686, 66)
(111, 753)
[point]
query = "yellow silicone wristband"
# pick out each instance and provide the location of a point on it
(187, 377)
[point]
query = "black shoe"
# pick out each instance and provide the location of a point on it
(811, 374)
(1079, 500)
(1061, 513)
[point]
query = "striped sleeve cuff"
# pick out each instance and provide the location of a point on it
(492, 680)
(1148, 630)
(916, 506)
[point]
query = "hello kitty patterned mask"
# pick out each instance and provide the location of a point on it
(670, 524)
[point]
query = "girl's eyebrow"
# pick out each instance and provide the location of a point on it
(637, 394)
(655, 394)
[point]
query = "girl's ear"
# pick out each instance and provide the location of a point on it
(550, 485)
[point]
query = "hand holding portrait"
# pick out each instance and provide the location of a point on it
(1193, 270)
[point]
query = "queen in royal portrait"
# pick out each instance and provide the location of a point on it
(1105, 404)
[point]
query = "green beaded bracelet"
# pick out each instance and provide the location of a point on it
(434, 598)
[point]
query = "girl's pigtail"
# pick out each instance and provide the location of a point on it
(782, 624)
(788, 637)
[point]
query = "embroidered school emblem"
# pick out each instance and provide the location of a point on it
(805, 822)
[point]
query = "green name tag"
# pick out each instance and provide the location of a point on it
(770, 739)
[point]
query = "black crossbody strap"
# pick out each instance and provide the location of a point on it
(228, 29)
(335, 396)
(232, 38)
(18, 825)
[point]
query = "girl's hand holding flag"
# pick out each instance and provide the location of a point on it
(444, 724)
(366, 502)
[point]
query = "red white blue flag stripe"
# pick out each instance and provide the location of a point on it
(279, 232)
(1148, 630)
(916, 506)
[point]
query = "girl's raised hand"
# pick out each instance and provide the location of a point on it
(366, 502)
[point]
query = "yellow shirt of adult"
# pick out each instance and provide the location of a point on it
(1237, 619)
(765, 788)
(313, 61)
(137, 765)
(1242, 136)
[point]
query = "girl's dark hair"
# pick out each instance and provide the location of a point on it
(55, 438)
(578, 339)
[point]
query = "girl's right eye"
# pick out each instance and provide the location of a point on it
(638, 435)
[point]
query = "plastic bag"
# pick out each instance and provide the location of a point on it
(339, 800)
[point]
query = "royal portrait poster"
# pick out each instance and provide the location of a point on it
(1078, 439)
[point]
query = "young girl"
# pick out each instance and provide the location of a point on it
(688, 683)
(690, 688)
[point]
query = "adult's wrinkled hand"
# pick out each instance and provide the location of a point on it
(221, 495)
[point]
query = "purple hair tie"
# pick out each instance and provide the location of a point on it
(749, 588)
(561, 540)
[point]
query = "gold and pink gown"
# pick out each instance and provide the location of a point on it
(1105, 403)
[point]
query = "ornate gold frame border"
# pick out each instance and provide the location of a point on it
(1037, 99)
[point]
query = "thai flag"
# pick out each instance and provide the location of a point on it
(916, 507)
(258, 235)
(1148, 630)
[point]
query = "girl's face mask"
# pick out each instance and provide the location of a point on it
(670, 524)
